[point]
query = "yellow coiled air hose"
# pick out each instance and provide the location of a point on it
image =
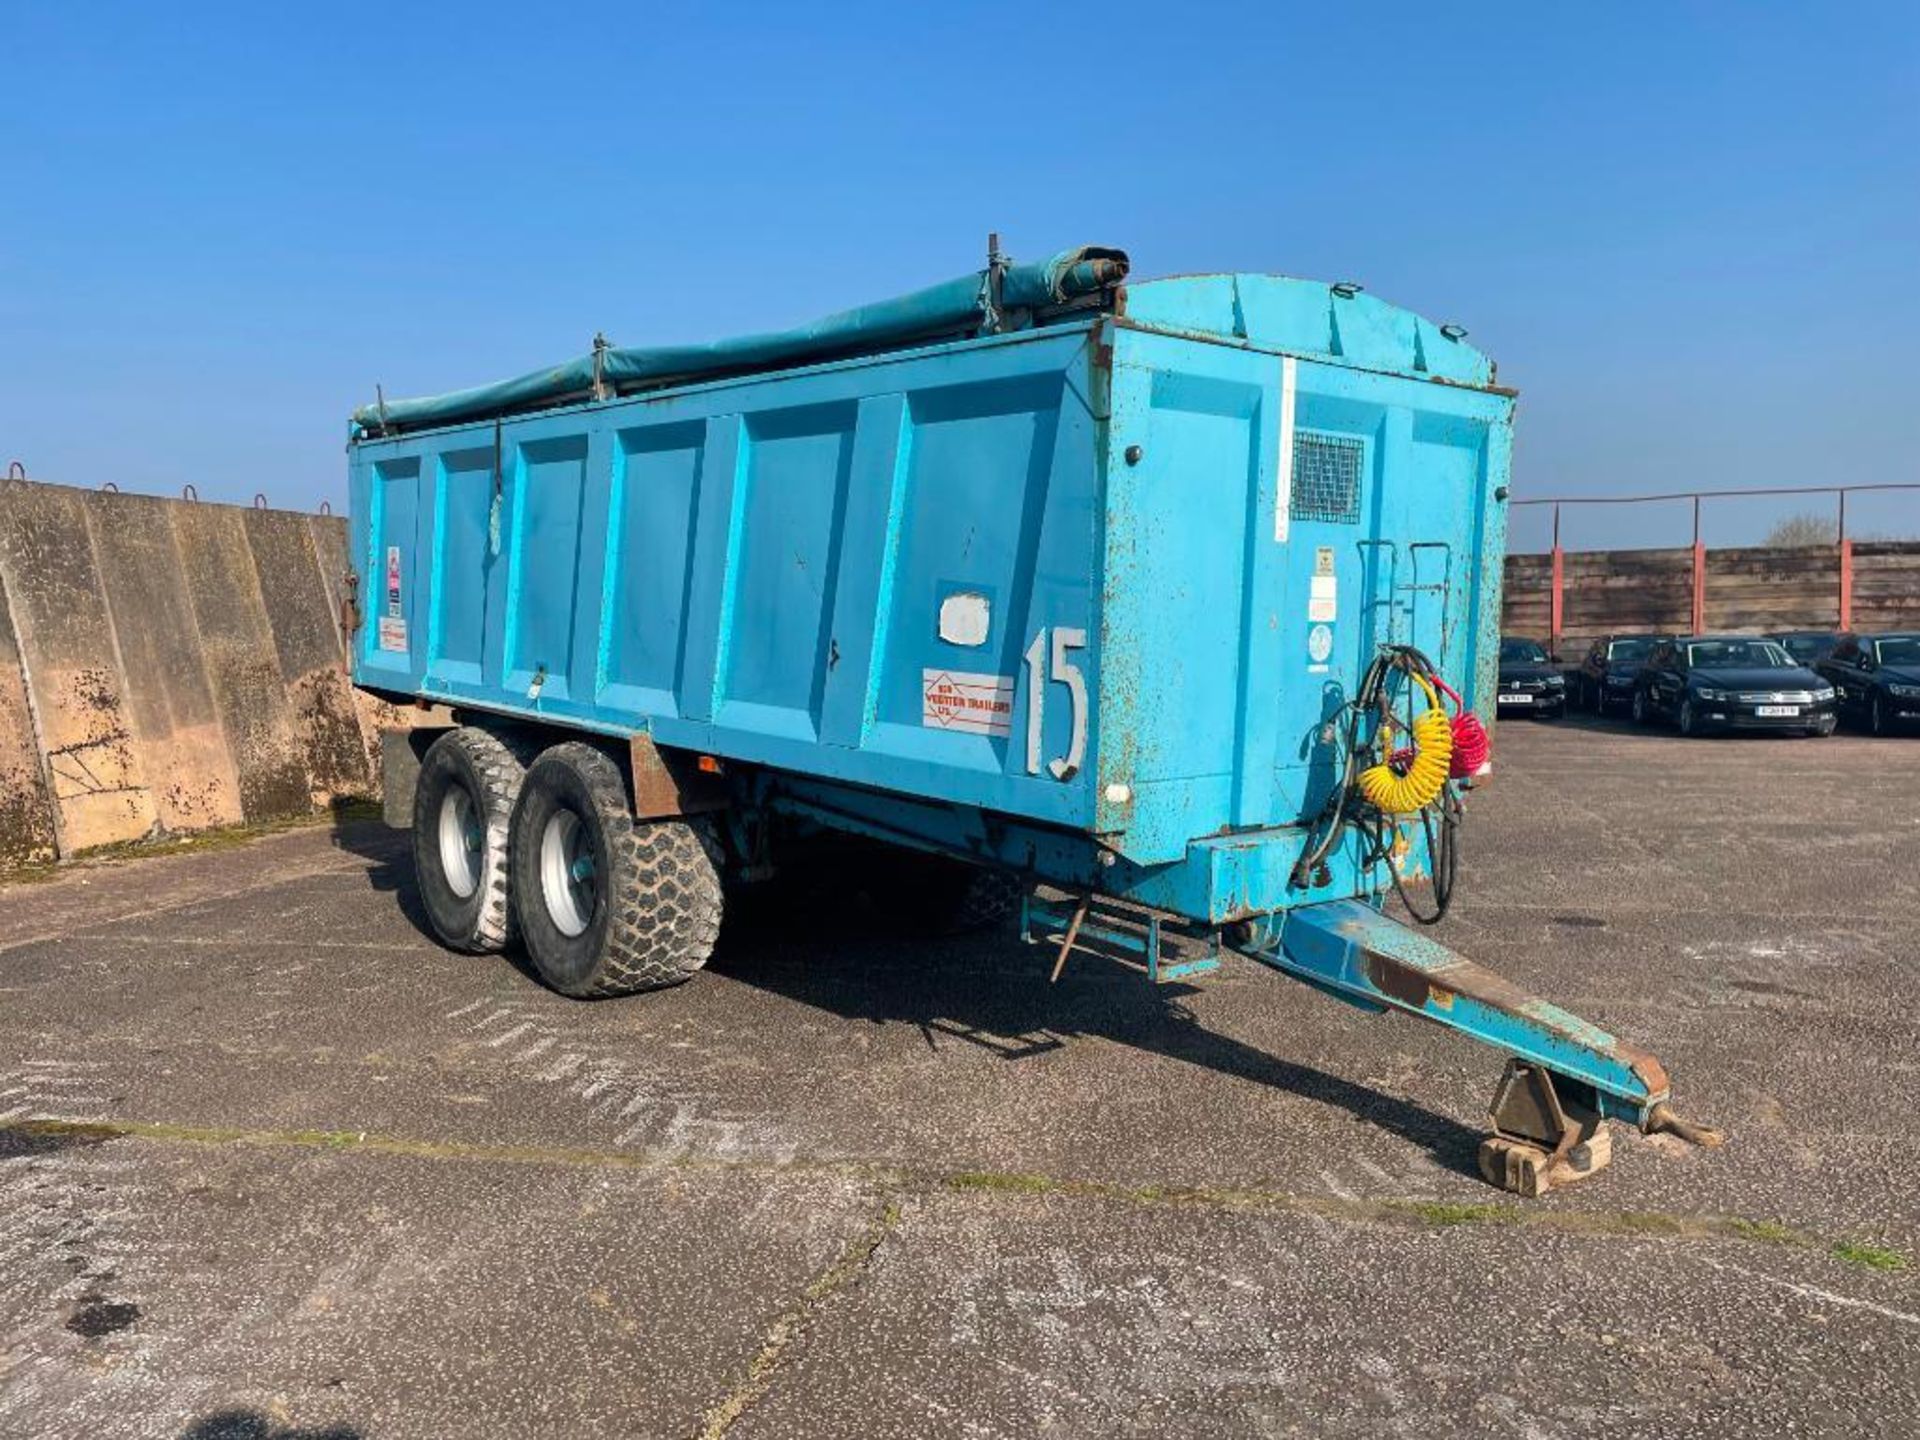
(1394, 793)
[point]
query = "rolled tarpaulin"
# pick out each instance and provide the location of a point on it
(1067, 276)
(956, 305)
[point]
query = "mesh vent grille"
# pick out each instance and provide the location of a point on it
(1326, 478)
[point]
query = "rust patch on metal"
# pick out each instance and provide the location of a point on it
(670, 782)
(1391, 977)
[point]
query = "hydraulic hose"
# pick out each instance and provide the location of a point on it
(1394, 787)
(1407, 785)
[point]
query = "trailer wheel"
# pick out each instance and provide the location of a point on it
(946, 896)
(462, 807)
(608, 906)
(990, 898)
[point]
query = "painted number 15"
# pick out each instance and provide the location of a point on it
(1064, 672)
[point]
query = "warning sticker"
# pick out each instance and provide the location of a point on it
(1323, 599)
(394, 607)
(393, 634)
(975, 704)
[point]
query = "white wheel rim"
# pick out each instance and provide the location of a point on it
(462, 839)
(566, 873)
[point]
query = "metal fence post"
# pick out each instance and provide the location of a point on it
(1557, 598)
(1699, 574)
(1846, 568)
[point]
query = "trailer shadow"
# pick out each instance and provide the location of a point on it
(832, 949)
(389, 857)
(833, 954)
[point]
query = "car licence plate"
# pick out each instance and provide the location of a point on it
(1516, 699)
(1776, 712)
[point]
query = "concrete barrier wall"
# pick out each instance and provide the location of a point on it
(169, 666)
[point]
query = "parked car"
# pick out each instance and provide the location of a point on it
(1878, 677)
(1808, 647)
(1708, 683)
(1529, 679)
(1604, 680)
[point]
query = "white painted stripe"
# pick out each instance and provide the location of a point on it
(633, 1132)
(1340, 1192)
(1283, 469)
(1815, 1292)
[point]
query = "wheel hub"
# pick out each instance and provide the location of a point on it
(567, 873)
(462, 839)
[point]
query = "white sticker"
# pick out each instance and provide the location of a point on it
(1283, 469)
(965, 618)
(1323, 598)
(393, 634)
(1320, 643)
(1323, 560)
(972, 704)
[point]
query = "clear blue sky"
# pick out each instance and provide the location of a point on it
(1689, 234)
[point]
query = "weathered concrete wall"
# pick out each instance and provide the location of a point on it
(301, 618)
(169, 666)
(175, 722)
(236, 644)
(71, 664)
(26, 812)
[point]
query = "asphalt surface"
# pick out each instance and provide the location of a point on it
(273, 1164)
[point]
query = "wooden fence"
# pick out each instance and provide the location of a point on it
(1570, 597)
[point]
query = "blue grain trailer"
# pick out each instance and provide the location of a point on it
(1134, 607)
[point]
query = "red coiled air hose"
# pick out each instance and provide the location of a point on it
(1472, 746)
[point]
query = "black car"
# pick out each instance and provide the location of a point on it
(1807, 647)
(1604, 680)
(1878, 677)
(1529, 680)
(1707, 683)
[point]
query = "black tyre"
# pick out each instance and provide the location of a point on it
(1877, 717)
(986, 899)
(1642, 710)
(606, 905)
(906, 890)
(462, 811)
(1689, 726)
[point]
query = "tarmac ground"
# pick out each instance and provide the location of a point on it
(276, 1166)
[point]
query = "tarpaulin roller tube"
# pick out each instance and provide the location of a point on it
(948, 308)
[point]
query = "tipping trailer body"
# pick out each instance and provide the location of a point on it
(1082, 598)
(1109, 586)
